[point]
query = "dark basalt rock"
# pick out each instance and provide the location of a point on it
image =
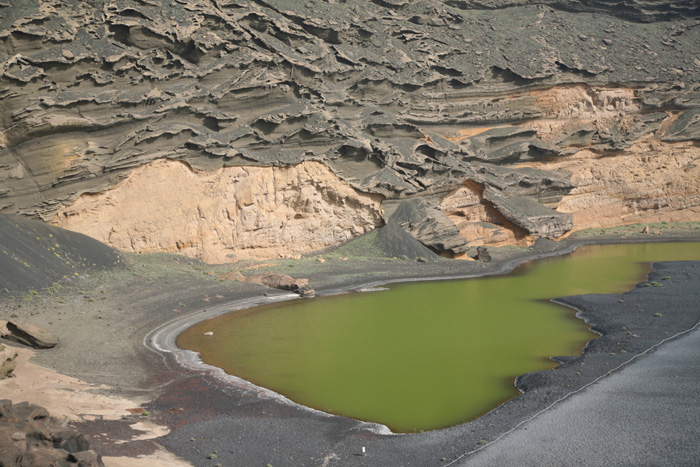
(511, 145)
(31, 335)
(580, 138)
(547, 187)
(30, 438)
(685, 128)
(430, 226)
(634, 10)
(538, 220)
(482, 254)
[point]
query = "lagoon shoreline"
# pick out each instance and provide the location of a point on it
(207, 413)
(539, 390)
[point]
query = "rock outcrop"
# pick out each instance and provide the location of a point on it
(275, 281)
(225, 214)
(30, 335)
(479, 221)
(538, 220)
(429, 226)
(549, 100)
(284, 282)
(651, 181)
(30, 438)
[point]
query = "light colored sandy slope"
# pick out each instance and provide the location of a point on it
(70, 399)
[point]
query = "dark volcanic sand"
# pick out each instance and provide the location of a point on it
(104, 319)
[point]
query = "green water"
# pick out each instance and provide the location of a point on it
(423, 355)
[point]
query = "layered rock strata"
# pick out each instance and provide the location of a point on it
(552, 101)
(651, 181)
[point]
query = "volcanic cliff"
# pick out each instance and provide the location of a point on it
(228, 129)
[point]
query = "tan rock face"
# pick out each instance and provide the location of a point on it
(621, 168)
(478, 221)
(651, 182)
(582, 102)
(225, 214)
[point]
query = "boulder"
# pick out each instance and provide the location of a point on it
(31, 335)
(528, 214)
(482, 254)
(430, 226)
(29, 437)
(284, 282)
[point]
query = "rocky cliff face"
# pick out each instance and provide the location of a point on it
(590, 110)
(224, 214)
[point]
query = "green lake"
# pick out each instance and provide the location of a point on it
(423, 355)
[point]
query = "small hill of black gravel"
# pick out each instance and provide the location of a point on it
(394, 241)
(35, 255)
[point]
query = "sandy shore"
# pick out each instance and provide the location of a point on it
(102, 368)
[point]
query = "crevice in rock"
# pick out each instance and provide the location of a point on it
(478, 221)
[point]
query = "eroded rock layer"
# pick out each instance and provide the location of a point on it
(650, 182)
(224, 214)
(588, 108)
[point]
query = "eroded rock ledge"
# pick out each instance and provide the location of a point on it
(586, 108)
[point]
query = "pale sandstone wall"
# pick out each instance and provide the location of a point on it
(651, 182)
(621, 169)
(225, 214)
(647, 180)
